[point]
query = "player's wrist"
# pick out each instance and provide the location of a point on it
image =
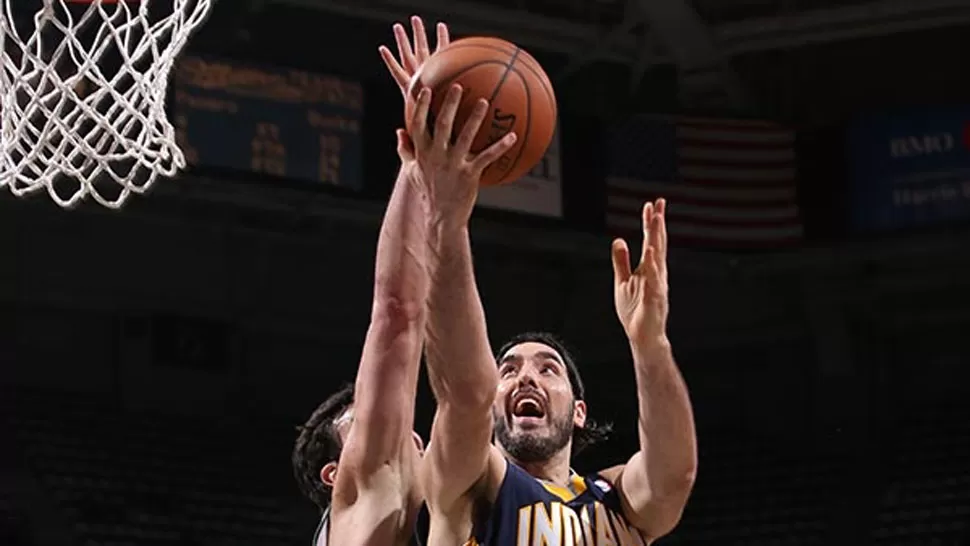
(650, 342)
(447, 232)
(449, 222)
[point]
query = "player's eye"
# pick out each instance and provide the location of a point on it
(506, 371)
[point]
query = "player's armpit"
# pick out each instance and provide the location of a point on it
(460, 457)
(654, 513)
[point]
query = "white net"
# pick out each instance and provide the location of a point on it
(82, 95)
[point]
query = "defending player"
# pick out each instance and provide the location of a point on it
(374, 497)
(521, 491)
(367, 428)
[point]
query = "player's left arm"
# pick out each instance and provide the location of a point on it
(388, 374)
(655, 483)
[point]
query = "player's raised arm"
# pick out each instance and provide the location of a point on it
(461, 368)
(655, 483)
(387, 377)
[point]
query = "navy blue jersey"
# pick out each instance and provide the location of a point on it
(530, 512)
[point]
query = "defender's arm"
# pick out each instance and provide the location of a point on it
(387, 377)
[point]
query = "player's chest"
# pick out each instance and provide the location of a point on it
(556, 523)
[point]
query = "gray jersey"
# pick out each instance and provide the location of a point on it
(320, 536)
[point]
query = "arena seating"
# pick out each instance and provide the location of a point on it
(123, 478)
(928, 498)
(128, 479)
(14, 529)
(756, 491)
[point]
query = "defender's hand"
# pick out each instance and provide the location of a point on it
(446, 165)
(411, 58)
(640, 295)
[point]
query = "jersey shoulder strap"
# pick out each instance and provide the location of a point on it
(321, 535)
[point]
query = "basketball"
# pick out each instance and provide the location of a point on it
(518, 90)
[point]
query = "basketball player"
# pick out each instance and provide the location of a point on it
(520, 491)
(371, 496)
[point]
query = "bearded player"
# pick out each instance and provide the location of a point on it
(357, 457)
(519, 490)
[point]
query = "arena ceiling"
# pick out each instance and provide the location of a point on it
(700, 37)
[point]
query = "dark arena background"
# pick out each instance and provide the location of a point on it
(816, 159)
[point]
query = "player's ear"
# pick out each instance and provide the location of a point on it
(579, 413)
(328, 474)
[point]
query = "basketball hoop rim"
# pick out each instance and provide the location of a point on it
(106, 146)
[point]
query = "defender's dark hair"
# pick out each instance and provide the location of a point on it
(590, 433)
(318, 444)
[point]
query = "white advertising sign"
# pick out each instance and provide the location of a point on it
(539, 192)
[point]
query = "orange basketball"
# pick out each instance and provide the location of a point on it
(519, 92)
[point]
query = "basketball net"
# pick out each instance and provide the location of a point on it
(82, 95)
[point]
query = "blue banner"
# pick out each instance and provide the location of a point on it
(910, 169)
(281, 122)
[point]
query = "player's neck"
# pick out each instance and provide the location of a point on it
(554, 470)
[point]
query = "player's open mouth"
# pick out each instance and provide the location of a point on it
(528, 405)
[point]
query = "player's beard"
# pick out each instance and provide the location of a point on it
(533, 445)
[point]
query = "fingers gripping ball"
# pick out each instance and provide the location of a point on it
(518, 90)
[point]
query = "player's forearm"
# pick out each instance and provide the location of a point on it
(401, 268)
(385, 391)
(387, 376)
(666, 424)
(461, 367)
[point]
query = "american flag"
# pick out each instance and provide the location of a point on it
(728, 183)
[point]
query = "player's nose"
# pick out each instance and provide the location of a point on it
(527, 378)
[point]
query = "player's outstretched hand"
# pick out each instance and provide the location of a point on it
(640, 294)
(410, 58)
(444, 162)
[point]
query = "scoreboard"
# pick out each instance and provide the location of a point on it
(281, 122)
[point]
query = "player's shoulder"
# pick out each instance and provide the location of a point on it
(414, 532)
(610, 475)
(496, 469)
(604, 485)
